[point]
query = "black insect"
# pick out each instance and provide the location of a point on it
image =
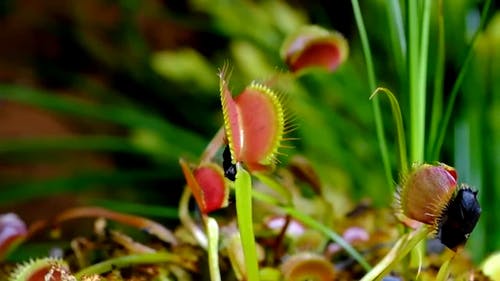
(227, 164)
(459, 218)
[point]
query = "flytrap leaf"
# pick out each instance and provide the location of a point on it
(42, 269)
(208, 185)
(425, 192)
(314, 46)
(430, 195)
(254, 122)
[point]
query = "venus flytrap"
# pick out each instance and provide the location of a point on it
(209, 188)
(314, 47)
(254, 122)
(42, 269)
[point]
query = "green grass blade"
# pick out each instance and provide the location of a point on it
(418, 128)
(413, 72)
(398, 119)
(372, 83)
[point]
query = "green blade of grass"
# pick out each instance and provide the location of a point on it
(413, 72)
(398, 119)
(418, 101)
(375, 104)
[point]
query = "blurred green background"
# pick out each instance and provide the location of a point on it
(99, 99)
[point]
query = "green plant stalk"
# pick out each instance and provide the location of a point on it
(386, 261)
(437, 97)
(213, 247)
(186, 220)
(397, 34)
(412, 15)
(125, 261)
(243, 194)
(418, 100)
(444, 270)
(398, 119)
(372, 84)
(404, 245)
(312, 223)
(456, 86)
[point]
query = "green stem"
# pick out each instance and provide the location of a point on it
(444, 270)
(125, 261)
(386, 261)
(372, 83)
(213, 248)
(456, 86)
(413, 72)
(418, 101)
(404, 245)
(186, 220)
(243, 193)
